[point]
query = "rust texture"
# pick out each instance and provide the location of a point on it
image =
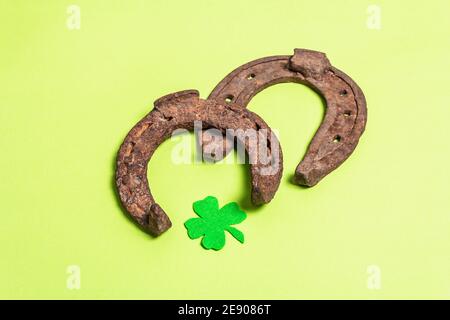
(346, 111)
(175, 111)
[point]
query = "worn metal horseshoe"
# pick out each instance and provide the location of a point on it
(346, 111)
(181, 110)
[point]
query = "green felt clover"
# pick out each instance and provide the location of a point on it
(213, 222)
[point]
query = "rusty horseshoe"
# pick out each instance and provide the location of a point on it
(346, 111)
(181, 110)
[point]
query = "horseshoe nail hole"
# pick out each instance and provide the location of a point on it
(347, 113)
(229, 98)
(337, 139)
(251, 76)
(343, 93)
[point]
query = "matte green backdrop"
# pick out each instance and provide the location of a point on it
(68, 98)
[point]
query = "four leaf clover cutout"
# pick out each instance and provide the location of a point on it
(213, 222)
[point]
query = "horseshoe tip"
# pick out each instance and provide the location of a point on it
(307, 179)
(158, 221)
(259, 197)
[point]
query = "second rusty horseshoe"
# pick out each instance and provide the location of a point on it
(346, 111)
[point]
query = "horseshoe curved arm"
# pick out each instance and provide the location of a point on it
(346, 111)
(181, 110)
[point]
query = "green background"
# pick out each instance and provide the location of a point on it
(69, 97)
